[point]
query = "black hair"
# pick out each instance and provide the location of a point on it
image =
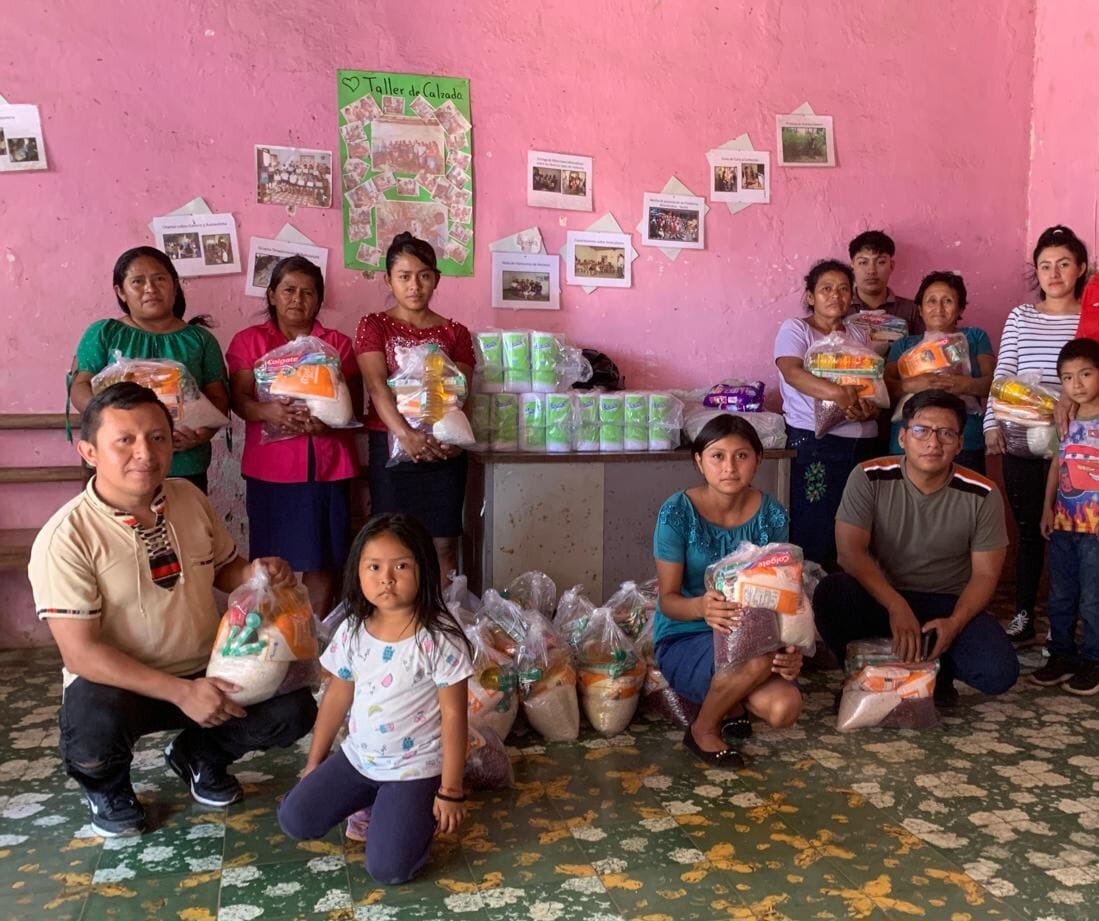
(294, 264)
(431, 611)
(877, 241)
(1060, 235)
(122, 265)
(722, 426)
(934, 399)
(1078, 350)
(406, 244)
(819, 268)
(123, 395)
(951, 279)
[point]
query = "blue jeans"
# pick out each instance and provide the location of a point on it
(1073, 591)
(981, 655)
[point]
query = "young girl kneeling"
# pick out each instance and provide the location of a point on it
(399, 664)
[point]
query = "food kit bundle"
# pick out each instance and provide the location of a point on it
(171, 382)
(837, 359)
(430, 392)
(881, 690)
(611, 674)
(1023, 409)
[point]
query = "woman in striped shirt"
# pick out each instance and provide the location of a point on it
(1033, 336)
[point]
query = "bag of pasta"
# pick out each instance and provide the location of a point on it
(769, 578)
(839, 360)
(171, 382)
(267, 641)
(611, 674)
(1023, 409)
(307, 370)
(493, 689)
(881, 690)
(632, 609)
(533, 591)
(573, 612)
(430, 392)
(547, 682)
(488, 766)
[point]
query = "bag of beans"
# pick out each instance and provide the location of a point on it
(611, 674)
(547, 682)
(662, 701)
(488, 766)
(492, 690)
(573, 612)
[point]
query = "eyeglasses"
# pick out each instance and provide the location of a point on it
(924, 432)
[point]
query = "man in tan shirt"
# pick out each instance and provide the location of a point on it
(124, 576)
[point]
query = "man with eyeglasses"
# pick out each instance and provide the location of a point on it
(921, 542)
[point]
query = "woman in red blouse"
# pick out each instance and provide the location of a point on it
(432, 486)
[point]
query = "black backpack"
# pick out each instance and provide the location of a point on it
(604, 373)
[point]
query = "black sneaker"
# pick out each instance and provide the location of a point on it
(115, 813)
(1057, 670)
(1085, 682)
(210, 784)
(1021, 629)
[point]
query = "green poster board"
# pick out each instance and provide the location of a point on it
(407, 164)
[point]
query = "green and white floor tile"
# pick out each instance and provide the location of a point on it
(994, 815)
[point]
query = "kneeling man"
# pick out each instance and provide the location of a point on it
(921, 542)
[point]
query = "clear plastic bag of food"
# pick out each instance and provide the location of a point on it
(306, 370)
(663, 702)
(837, 359)
(488, 766)
(632, 609)
(943, 353)
(171, 382)
(1023, 409)
(493, 689)
(611, 674)
(773, 578)
(533, 591)
(880, 328)
(430, 392)
(505, 621)
(547, 682)
(267, 641)
(735, 395)
(460, 601)
(883, 691)
(573, 612)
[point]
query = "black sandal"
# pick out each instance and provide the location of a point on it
(724, 758)
(736, 729)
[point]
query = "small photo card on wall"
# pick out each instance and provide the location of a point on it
(561, 181)
(739, 175)
(293, 176)
(805, 140)
(22, 146)
(199, 244)
(264, 255)
(674, 221)
(524, 281)
(598, 260)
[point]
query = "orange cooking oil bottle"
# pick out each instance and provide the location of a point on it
(434, 405)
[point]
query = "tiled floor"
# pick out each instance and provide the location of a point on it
(993, 816)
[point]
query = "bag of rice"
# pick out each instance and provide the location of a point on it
(632, 609)
(264, 631)
(488, 766)
(611, 674)
(770, 577)
(533, 591)
(547, 682)
(573, 611)
(492, 690)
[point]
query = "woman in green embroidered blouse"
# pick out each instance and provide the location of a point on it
(151, 297)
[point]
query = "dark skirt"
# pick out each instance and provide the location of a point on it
(433, 493)
(307, 524)
(818, 476)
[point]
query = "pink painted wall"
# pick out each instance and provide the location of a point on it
(1064, 168)
(143, 111)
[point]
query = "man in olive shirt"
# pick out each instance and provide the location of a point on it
(872, 253)
(922, 542)
(124, 575)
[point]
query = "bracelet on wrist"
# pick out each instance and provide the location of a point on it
(450, 799)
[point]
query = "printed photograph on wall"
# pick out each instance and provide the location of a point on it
(293, 176)
(805, 140)
(406, 162)
(560, 181)
(598, 260)
(526, 281)
(739, 175)
(674, 221)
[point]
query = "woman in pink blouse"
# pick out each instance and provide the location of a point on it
(432, 486)
(298, 489)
